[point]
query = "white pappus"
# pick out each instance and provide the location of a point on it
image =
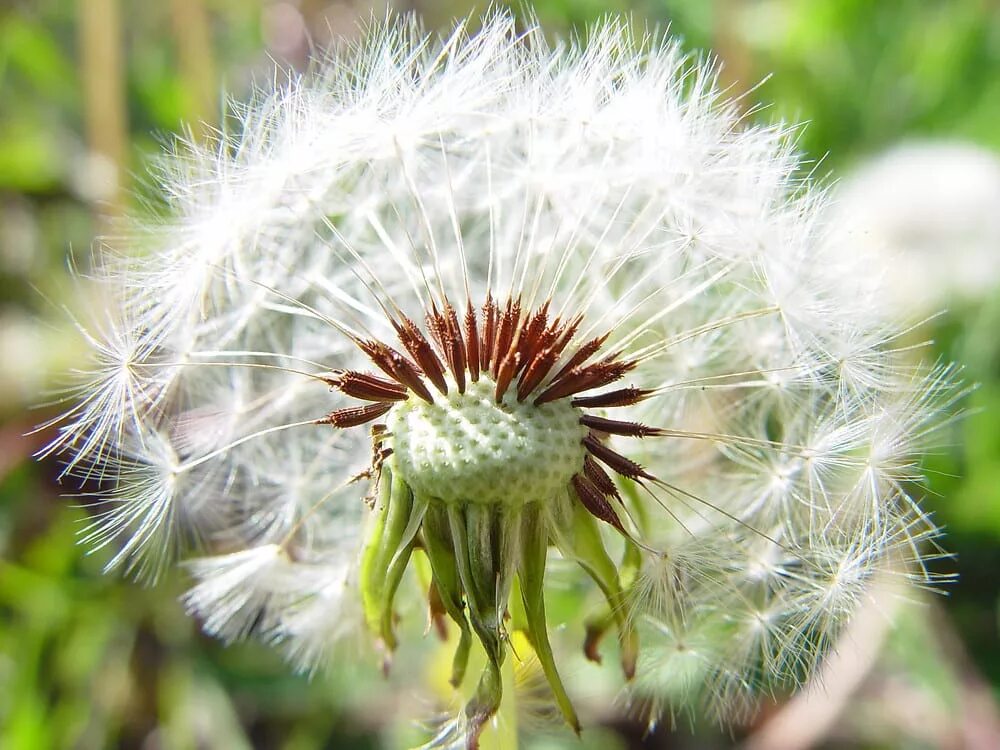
(484, 301)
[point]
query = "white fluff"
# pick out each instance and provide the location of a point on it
(611, 176)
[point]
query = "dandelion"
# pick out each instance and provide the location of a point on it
(472, 304)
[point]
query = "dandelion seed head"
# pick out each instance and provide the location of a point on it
(480, 300)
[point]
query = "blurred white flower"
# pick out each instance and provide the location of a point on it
(927, 210)
(568, 299)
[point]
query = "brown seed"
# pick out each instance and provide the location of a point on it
(353, 416)
(616, 427)
(531, 333)
(595, 502)
(585, 378)
(620, 397)
(567, 332)
(435, 324)
(615, 461)
(505, 373)
(490, 318)
(509, 321)
(536, 372)
(593, 471)
(472, 341)
(421, 350)
(396, 366)
(582, 355)
(454, 346)
(365, 386)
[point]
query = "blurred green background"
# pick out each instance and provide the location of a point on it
(89, 91)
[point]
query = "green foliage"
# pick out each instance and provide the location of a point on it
(863, 74)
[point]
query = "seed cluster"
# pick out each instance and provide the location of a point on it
(491, 411)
